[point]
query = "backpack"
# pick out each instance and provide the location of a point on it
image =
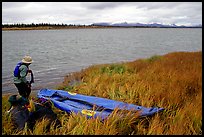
(16, 71)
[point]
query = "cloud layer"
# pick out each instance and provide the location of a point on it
(179, 13)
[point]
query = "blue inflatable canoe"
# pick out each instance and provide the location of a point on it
(78, 103)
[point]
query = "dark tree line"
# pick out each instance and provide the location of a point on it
(22, 25)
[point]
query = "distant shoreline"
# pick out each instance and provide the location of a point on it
(79, 27)
(49, 28)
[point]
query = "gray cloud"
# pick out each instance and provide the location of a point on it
(92, 12)
(103, 5)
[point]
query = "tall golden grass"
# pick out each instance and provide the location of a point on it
(172, 81)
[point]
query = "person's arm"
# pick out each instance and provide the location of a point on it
(32, 77)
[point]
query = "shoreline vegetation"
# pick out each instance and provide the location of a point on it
(53, 28)
(7, 27)
(172, 81)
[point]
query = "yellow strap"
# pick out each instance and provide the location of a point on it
(88, 112)
(71, 93)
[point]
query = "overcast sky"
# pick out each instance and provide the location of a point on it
(179, 13)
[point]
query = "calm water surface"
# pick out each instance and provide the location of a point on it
(59, 52)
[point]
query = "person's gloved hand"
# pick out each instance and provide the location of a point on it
(30, 71)
(28, 84)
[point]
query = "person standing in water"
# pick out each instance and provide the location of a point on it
(20, 72)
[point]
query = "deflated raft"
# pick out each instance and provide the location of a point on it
(78, 103)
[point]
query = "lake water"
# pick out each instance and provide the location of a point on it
(59, 52)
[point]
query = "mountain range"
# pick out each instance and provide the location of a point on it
(125, 24)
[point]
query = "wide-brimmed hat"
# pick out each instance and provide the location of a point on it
(27, 59)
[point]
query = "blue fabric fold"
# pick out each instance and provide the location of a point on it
(90, 105)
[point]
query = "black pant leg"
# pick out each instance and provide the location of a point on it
(28, 91)
(23, 89)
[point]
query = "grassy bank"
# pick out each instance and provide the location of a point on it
(172, 81)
